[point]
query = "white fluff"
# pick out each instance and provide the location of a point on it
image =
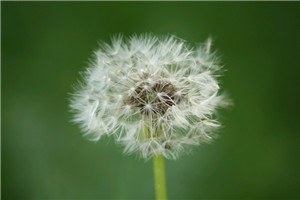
(154, 95)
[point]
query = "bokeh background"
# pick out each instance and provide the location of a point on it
(46, 44)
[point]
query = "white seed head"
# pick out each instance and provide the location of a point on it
(154, 95)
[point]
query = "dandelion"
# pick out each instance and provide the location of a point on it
(156, 96)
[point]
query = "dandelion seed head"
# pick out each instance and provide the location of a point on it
(156, 96)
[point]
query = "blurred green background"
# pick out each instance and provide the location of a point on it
(46, 44)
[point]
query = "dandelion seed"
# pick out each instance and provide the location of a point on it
(156, 96)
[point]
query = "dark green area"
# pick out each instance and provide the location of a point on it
(46, 44)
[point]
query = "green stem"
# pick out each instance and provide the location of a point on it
(160, 177)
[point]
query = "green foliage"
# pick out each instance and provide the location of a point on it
(45, 44)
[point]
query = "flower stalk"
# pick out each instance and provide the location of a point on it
(160, 177)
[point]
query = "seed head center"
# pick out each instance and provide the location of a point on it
(154, 98)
